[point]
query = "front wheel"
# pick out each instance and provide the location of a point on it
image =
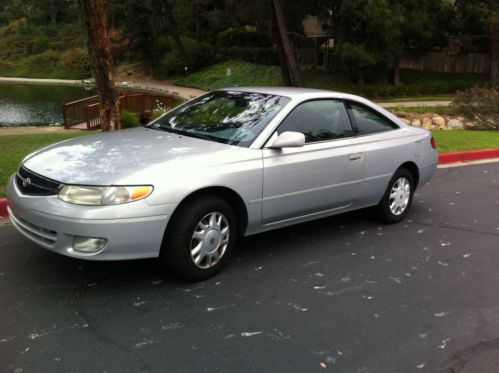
(199, 238)
(398, 197)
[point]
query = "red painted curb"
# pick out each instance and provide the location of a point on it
(472, 155)
(3, 208)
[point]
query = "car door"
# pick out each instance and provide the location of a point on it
(323, 176)
(385, 148)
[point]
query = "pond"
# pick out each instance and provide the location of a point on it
(36, 104)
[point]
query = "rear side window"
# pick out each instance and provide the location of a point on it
(318, 120)
(368, 121)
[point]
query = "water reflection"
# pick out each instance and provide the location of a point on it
(36, 104)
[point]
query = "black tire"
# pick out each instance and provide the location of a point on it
(384, 211)
(176, 248)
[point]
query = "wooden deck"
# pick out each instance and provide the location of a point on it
(80, 126)
(84, 114)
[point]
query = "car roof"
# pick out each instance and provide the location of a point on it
(303, 94)
(294, 92)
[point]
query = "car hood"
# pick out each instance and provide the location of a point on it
(114, 157)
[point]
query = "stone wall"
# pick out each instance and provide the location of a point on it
(436, 121)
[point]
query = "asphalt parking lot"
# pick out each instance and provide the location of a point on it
(344, 294)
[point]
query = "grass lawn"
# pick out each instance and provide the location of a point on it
(454, 141)
(443, 97)
(15, 147)
(449, 110)
(415, 85)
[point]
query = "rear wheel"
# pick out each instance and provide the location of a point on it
(398, 197)
(199, 238)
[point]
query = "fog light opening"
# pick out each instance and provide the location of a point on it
(88, 245)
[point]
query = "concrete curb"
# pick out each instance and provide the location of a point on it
(472, 155)
(3, 208)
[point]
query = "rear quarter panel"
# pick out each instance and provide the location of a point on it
(384, 153)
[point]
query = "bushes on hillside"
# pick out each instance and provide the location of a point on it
(260, 55)
(200, 55)
(40, 44)
(47, 58)
(247, 36)
(246, 44)
(75, 59)
(481, 104)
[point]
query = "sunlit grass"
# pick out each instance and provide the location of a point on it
(13, 148)
(453, 141)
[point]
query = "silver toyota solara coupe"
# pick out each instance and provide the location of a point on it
(231, 163)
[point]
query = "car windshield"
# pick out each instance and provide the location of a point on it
(230, 117)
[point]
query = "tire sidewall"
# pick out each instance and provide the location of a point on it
(384, 206)
(176, 253)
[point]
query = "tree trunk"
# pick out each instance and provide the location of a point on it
(94, 12)
(286, 78)
(197, 17)
(171, 26)
(494, 54)
(280, 23)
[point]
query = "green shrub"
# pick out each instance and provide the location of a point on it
(129, 120)
(48, 57)
(481, 104)
(75, 59)
(245, 37)
(260, 55)
(200, 55)
(40, 44)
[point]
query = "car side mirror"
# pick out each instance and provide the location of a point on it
(288, 139)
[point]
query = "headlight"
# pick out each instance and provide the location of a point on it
(96, 195)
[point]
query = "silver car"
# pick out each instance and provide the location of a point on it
(231, 163)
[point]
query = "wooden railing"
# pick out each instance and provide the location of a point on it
(85, 113)
(74, 113)
(92, 116)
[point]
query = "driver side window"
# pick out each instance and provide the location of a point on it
(318, 120)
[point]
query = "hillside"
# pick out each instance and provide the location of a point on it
(43, 51)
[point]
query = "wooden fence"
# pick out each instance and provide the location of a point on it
(85, 113)
(440, 61)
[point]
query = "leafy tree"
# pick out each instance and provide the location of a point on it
(171, 26)
(478, 23)
(368, 34)
(494, 49)
(421, 28)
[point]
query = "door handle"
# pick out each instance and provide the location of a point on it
(355, 156)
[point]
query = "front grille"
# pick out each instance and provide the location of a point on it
(42, 236)
(35, 185)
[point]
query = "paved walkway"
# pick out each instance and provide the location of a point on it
(164, 86)
(7, 79)
(26, 130)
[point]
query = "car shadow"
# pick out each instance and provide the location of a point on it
(269, 247)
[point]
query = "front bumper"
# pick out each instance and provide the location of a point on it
(134, 230)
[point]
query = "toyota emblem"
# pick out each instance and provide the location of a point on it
(26, 182)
